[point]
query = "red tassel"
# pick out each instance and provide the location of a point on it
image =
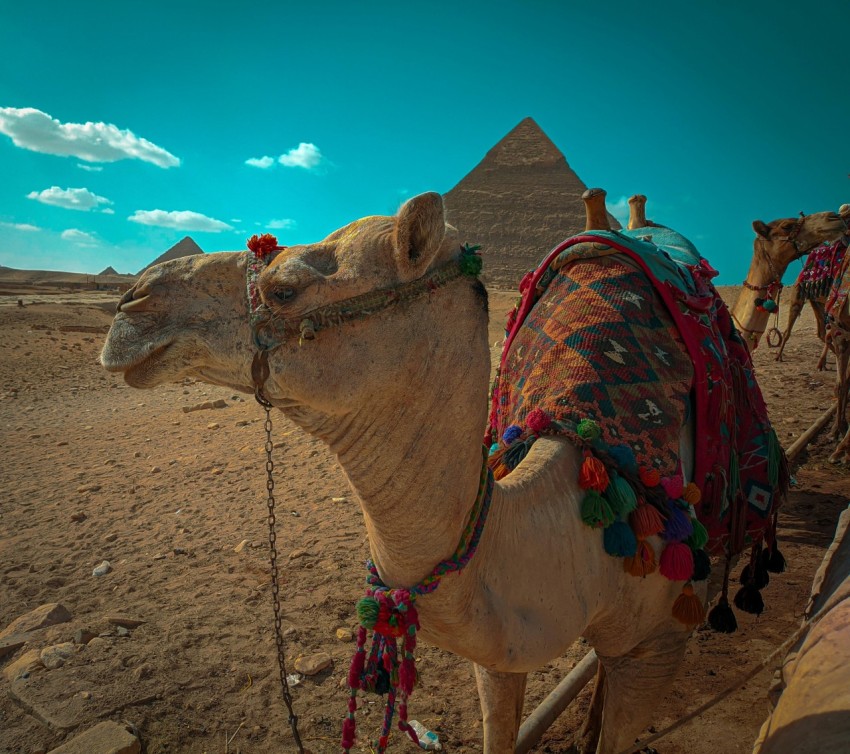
(677, 562)
(646, 521)
(263, 245)
(649, 476)
(593, 475)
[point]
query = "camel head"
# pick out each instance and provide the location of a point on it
(190, 317)
(776, 245)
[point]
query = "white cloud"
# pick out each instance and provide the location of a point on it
(620, 210)
(79, 237)
(70, 198)
(90, 168)
(260, 162)
(284, 224)
(303, 156)
(19, 226)
(181, 220)
(108, 211)
(93, 142)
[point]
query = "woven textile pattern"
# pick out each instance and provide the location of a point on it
(839, 293)
(599, 344)
(821, 269)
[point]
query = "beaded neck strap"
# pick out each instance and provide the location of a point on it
(391, 615)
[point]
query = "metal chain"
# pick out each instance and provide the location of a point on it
(281, 662)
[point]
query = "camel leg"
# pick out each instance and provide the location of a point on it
(588, 737)
(793, 313)
(841, 345)
(821, 365)
(842, 452)
(635, 684)
(501, 696)
(820, 317)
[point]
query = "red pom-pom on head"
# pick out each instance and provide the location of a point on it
(649, 476)
(673, 486)
(263, 245)
(537, 421)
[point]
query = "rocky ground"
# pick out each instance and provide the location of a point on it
(146, 520)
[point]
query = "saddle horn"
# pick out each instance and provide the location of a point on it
(637, 212)
(594, 207)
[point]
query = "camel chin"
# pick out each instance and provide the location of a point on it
(143, 363)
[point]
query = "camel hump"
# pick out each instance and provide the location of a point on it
(596, 215)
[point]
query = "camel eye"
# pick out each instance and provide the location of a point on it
(283, 295)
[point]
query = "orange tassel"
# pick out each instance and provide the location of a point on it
(646, 521)
(691, 494)
(688, 608)
(593, 475)
(500, 471)
(650, 477)
(643, 561)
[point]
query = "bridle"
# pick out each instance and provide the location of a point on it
(772, 290)
(268, 332)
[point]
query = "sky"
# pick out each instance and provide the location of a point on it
(126, 126)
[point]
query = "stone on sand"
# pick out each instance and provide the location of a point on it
(27, 663)
(55, 656)
(105, 738)
(49, 614)
(314, 663)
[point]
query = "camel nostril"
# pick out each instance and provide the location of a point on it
(132, 298)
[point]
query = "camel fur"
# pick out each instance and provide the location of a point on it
(401, 400)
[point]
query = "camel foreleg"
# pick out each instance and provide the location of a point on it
(501, 696)
(634, 686)
(793, 313)
(841, 346)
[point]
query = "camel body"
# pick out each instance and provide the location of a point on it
(400, 397)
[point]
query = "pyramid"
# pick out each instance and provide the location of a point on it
(183, 248)
(519, 202)
(108, 271)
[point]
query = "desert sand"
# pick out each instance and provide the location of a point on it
(95, 471)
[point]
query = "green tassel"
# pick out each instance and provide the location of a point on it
(699, 536)
(774, 458)
(596, 510)
(621, 495)
(589, 430)
(367, 611)
(470, 263)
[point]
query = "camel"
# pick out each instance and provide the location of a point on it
(399, 394)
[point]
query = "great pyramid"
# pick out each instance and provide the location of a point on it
(520, 201)
(108, 271)
(182, 248)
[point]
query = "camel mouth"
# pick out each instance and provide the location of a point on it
(138, 369)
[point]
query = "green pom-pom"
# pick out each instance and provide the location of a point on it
(699, 536)
(770, 305)
(589, 430)
(470, 263)
(367, 611)
(621, 495)
(596, 510)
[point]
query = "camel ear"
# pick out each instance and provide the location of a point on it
(420, 228)
(761, 229)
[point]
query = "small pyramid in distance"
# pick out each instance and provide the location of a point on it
(183, 248)
(518, 203)
(108, 271)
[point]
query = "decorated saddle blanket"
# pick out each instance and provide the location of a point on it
(617, 342)
(839, 293)
(821, 270)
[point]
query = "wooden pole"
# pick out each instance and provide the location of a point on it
(553, 705)
(800, 443)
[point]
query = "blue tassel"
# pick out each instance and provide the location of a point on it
(678, 526)
(620, 540)
(624, 457)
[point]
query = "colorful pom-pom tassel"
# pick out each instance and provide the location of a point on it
(621, 495)
(691, 494)
(699, 535)
(677, 562)
(368, 611)
(500, 471)
(646, 521)
(511, 434)
(593, 475)
(538, 421)
(673, 486)
(650, 477)
(623, 457)
(749, 600)
(643, 561)
(588, 430)
(722, 618)
(678, 525)
(596, 510)
(702, 565)
(494, 448)
(515, 454)
(688, 608)
(619, 540)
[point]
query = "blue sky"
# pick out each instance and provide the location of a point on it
(124, 127)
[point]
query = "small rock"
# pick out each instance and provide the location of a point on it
(216, 472)
(137, 454)
(55, 656)
(49, 614)
(180, 551)
(110, 537)
(78, 518)
(159, 557)
(243, 423)
(312, 664)
(155, 470)
(213, 425)
(88, 488)
(98, 641)
(101, 570)
(61, 443)
(85, 695)
(241, 546)
(107, 737)
(24, 666)
(298, 554)
(344, 634)
(339, 499)
(83, 636)
(121, 631)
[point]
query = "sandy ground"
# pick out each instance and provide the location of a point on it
(93, 470)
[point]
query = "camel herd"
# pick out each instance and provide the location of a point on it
(399, 394)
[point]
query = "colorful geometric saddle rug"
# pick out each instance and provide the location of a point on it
(839, 293)
(617, 342)
(820, 270)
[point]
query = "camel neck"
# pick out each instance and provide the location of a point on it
(761, 282)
